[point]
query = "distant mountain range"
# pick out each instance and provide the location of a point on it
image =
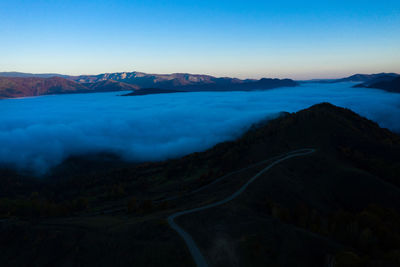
(186, 82)
(16, 84)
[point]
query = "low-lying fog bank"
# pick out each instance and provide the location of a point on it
(39, 133)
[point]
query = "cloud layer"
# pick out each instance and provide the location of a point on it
(39, 133)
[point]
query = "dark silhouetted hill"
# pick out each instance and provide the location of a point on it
(360, 78)
(339, 206)
(388, 84)
(366, 78)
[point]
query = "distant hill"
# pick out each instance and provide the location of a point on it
(390, 84)
(22, 87)
(11, 87)
(368, 77)
(361, 78)
(339, 206)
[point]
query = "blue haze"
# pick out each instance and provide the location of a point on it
(39, 133)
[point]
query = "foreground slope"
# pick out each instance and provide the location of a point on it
(338, 206)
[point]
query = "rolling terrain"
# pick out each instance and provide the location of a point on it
(15, 84)
(186, 82)
(110, 86)
(22, 87)
(336, 206)
(11, 87)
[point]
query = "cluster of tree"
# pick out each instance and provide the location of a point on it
(373, 233)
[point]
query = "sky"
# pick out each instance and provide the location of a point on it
(252, 39)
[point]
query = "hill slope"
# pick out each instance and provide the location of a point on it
(388, 84)
(11, 87)
(336, 207)
(111, 85)
(366, 78)
(21, 87)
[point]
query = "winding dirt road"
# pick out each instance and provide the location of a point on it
(191, 244)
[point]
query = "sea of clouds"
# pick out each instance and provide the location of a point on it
(39, 133)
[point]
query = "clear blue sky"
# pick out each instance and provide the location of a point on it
(286, 38)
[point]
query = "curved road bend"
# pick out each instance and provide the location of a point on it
(112, 210)
(193, 248)
(201, 188)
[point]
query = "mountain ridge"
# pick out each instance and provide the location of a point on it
(30, 75)
(367, 77)
(12, 87)
(21, 85)
(186, 81)
(361, 78)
